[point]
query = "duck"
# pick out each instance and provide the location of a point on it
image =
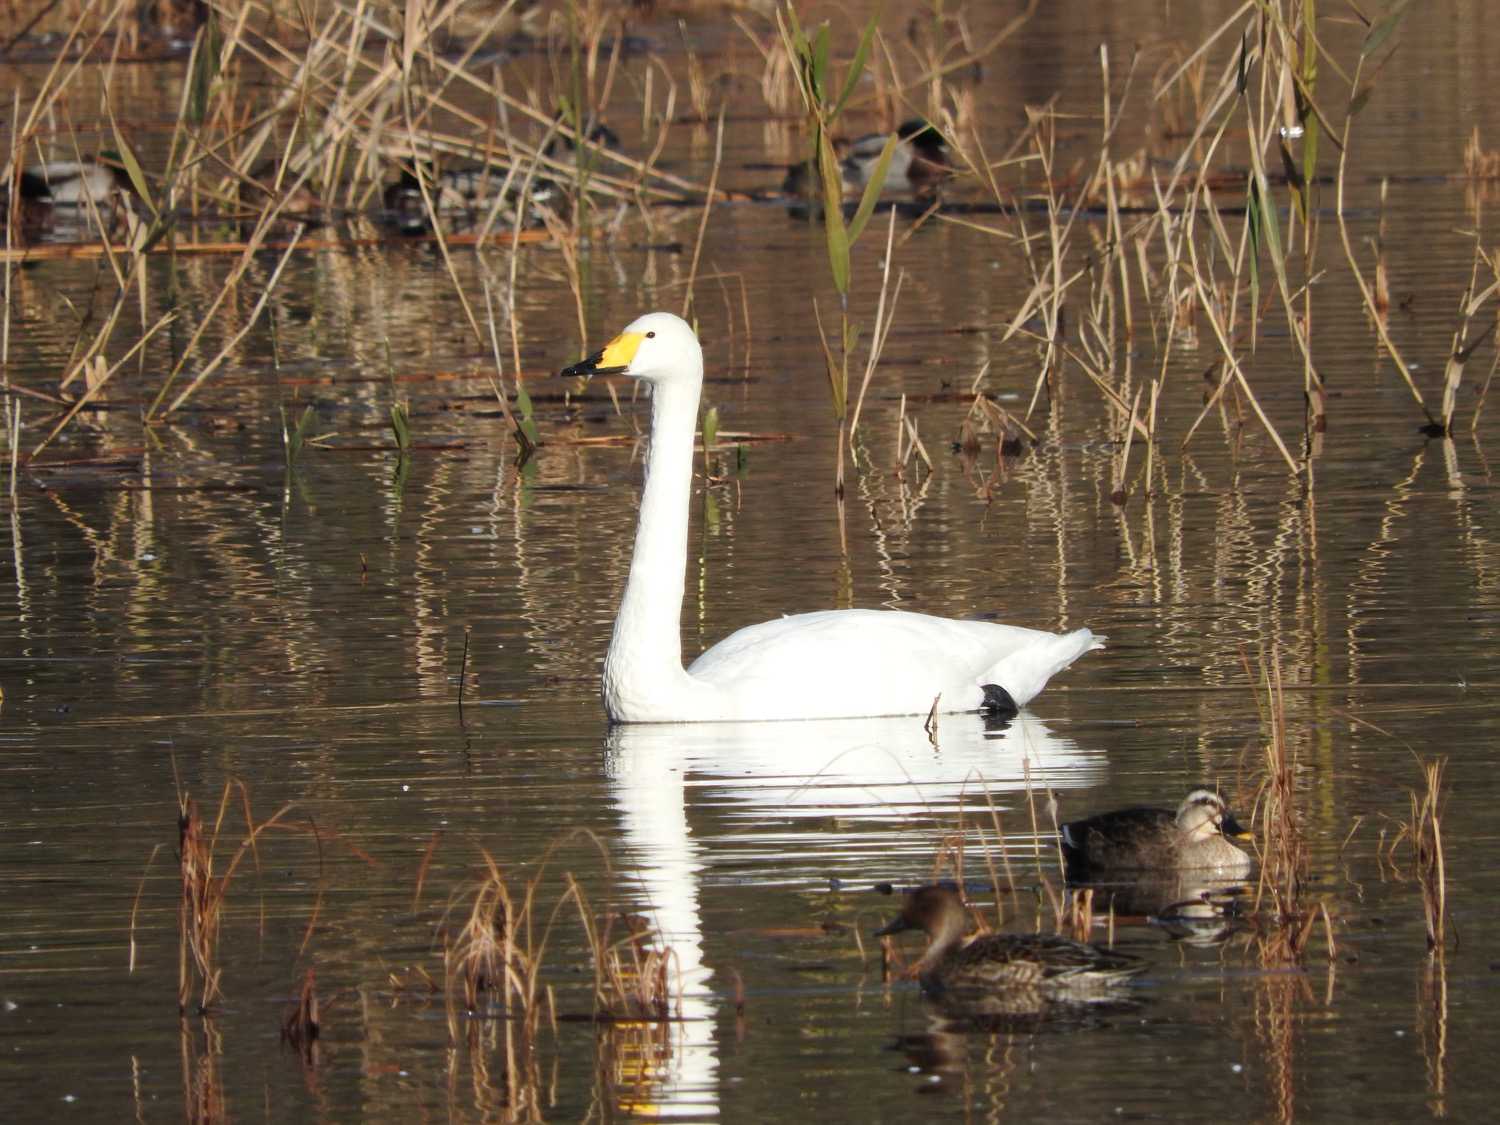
(919, 162)
(24, 196)
(830, 664)
(462, 195)
(1197, 836)
(77, 183)
(564, 148)
(1049, 966)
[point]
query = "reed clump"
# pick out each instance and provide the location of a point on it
(493, 962)
(204, 892)
(1424, 829)
(490, 957)
(1287, 920)
(634, 977)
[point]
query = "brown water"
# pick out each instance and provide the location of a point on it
(193, 613)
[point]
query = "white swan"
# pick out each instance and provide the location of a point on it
(834, 664)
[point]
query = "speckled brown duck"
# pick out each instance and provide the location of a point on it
(1197, 836)
(1047, 966)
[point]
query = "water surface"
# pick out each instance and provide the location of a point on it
(183, 610)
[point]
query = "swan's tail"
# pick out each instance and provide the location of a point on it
(1025, 672)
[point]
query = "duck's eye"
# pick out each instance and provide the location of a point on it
(650, 335)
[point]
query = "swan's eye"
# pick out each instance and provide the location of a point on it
(650, 335)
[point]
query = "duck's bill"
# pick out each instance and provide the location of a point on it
(896, 927)
(612, 359)
(1235, 830)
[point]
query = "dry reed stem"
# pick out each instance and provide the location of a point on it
(713, 181)
(1364, 287)
(883, 322)
(941, 70)
(1429, 864)
(135, 906)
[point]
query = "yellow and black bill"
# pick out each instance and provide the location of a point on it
(1234, 829)
(613, 359)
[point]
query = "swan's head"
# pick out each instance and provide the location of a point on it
(657, 347)
(1203, 815)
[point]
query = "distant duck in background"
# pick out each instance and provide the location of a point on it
(919, 162)
(464, 196)
(1053, 966)
(1196, 836)
(564, 148)
(57, 198)
(77, 183)
(273, 178)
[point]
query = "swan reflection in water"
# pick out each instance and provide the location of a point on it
(872, 775)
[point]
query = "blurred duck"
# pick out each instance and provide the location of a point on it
(272, 179)
(919, 162)
(564, 149)
(1051, 966)
(59, 198)
(1196, 836)
(75, 183)
(463, 196)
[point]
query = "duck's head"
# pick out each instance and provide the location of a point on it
(1204, 815)
(924, 138)
(935, 909)
(657, 347)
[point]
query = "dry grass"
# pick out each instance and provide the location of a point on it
(1429, 866)
(204, 892)
(305, 125)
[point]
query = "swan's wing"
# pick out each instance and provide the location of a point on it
(865, 662)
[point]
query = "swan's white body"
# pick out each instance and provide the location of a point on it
(829, 665)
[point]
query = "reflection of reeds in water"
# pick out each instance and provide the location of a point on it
(304, 128)
(1432, 1026)
(202, 1090)
(1279, 998)
(629, 1062)
(492, 967)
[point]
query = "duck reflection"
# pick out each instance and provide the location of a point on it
(865, 773)
(1197, 908)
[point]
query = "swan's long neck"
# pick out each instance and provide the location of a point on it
(643, 669)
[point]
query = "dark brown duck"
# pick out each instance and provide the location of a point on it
(1196, 836)
(1048, 964)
